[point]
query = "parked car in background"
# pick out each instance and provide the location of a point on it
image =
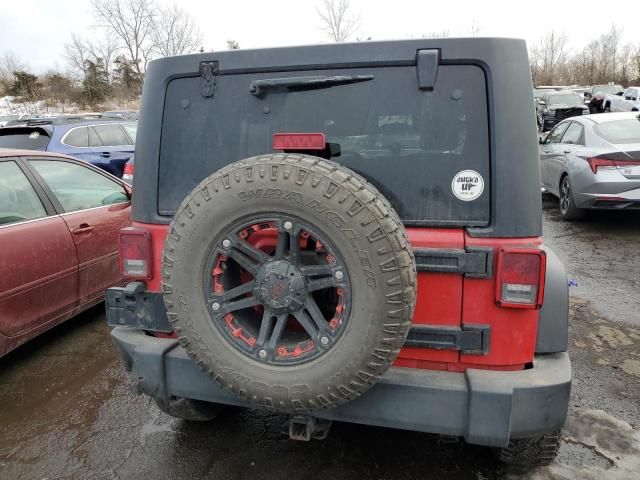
(596, 94)
(59, 223)
(554, 107)
(627, 101)
(593, 162)
(103, 143)
(122, 114)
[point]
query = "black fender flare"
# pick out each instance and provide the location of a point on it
(553, 321)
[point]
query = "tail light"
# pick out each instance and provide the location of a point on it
(597, 163)
(520, 282)
(128, 168)
(135, 253)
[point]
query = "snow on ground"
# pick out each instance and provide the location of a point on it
(10, 105)
(602, 445)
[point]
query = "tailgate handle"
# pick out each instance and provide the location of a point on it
(473, 262)
(470, 339)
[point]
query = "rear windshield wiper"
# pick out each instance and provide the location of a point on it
(260, 87)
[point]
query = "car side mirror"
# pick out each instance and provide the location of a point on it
(587, 94)
(543, 138)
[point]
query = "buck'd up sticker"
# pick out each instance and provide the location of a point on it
(467, 185)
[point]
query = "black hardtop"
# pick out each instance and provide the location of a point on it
(515, 203)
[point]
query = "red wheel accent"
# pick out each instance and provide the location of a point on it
(244, 290)
(296, 352)
(237, 331)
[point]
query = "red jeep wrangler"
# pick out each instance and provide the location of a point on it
(347, 232)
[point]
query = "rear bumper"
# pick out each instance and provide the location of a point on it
(485, 407)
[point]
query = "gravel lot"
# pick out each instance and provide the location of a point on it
(67, 410)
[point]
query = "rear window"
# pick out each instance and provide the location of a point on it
(24, 138)
(409, 143)
(620, 131)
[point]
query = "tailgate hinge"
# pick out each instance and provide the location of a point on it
(208, 74)
(427, 66)
(470, 339)
(473, 261)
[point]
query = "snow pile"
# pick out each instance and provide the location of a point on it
(10, 105)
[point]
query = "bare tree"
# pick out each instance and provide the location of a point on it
(636, 62)
(549, 56)
(131, 22)
(10, 63)
(77, 53)
(233, 44)
(338, 20)
(625, 60)
(106, 49)
(175, 32)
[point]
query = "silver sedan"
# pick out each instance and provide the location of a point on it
(593, 162)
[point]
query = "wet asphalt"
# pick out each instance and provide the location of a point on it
(67, 409)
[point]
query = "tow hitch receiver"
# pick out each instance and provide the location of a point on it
(305, 428)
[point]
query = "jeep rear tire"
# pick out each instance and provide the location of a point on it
(531, 452)
(290, 281)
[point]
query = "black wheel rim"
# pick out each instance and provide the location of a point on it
(565, 196)
(278, 290)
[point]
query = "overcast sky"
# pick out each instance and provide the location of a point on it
(36, 30)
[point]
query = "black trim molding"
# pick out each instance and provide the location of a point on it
(470, 339)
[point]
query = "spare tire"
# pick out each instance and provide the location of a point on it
(290, 281)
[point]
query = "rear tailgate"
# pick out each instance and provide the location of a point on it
(424, 146)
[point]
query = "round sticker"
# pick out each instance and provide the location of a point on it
(467, 185)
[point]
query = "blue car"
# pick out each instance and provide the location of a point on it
(106, 144)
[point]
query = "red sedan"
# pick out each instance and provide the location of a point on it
(59, 224)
